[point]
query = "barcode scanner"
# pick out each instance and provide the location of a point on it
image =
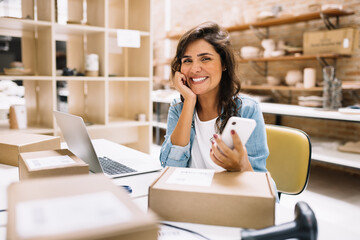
(304, 227)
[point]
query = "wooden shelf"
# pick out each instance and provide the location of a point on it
(77, 29)
(325, 150)
(79, 78)
(291, 88)
(277, 21)
(174, 36)
(299, 111)
(292, 58)
(22, 24)
(24, 77)
(161, 125)
(113, 32)
(282, 58)
(5, 129)
(130, 79)
(280, 88)
(290, 19)
(125, 122)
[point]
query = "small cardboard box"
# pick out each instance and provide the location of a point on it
(339, 41)
(76, 207)
(11, 145)
(53, 163)
(235, 199)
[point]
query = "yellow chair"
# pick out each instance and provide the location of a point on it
(289, 158)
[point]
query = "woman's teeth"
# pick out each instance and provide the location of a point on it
(199, 79)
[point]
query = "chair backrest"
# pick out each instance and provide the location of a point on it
(289, 158)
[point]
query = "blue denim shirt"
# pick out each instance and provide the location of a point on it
(256, 146)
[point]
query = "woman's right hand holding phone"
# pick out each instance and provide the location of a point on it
(180, 82)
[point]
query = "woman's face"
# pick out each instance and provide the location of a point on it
(201, 64)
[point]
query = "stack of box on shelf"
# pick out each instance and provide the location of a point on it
(110, 101)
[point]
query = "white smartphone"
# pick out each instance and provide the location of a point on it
(242, 126)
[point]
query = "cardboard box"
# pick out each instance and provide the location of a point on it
(53, 163)
(339, 41)
(235, 199)
(11, 145)
(77, 207)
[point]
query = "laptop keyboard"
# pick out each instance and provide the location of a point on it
(112, 167)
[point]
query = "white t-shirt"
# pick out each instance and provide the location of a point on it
(200, 152)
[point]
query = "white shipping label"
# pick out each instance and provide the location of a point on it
(45, 162)
(50, 217)
(128, 38)
(346, 43)
(191, 176)
(170, 233)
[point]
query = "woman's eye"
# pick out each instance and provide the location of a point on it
(205, 59)
(186, 60)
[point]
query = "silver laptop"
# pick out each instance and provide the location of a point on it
(78, 141)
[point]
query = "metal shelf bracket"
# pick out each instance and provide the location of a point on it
(329, 25)
(259, 34)
(258, 69)
(324, 63)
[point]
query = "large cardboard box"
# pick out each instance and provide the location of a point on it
(53, 163)
(11, 145)
(235, 199)
(77, 207)
(339, 41)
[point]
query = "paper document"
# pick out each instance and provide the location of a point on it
(54, 216)
(169, 233)
(128, 38)
(45, 162)
(191, 176)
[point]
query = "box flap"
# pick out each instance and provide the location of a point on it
(161, 175)
(20, 139)
(51, 153)
(271, 186)
(228, 183)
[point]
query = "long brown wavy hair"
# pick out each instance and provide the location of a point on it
(219, 38)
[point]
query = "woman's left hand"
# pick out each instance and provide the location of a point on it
(231, 159)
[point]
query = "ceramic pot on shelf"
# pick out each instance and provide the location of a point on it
(293, 76)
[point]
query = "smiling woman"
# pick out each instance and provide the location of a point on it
(203, 71)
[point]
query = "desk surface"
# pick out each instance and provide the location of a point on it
(140, 184)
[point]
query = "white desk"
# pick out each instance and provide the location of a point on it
(140, 184)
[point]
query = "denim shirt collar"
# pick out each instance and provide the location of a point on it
(222, 111)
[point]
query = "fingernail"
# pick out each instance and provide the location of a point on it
(215, 136)
(210, 149)
(232, 132)
(212, 142)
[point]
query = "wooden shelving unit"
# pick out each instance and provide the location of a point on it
(325, 15)
(111, 101)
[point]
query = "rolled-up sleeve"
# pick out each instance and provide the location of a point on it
(173, 155)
